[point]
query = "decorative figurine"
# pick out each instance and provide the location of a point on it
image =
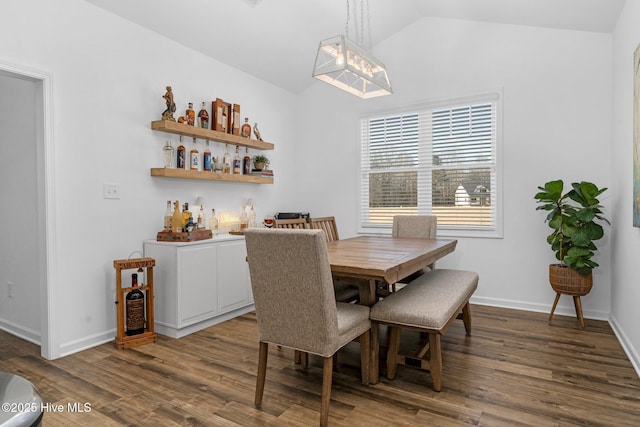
(256, 132)
(171, 105)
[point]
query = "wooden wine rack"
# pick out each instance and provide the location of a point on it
(148, 336)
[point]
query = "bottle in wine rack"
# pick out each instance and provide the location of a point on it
(134, 308)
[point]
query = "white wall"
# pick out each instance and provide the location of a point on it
(109, 76)
(625, 294)
(19, 208)
(557, 124)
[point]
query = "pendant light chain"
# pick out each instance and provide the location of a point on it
(346, 25)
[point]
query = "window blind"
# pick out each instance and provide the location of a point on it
(438, 160)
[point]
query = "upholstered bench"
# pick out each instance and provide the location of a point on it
(429, 304)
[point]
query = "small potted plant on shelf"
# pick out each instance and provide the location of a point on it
(260, 162)
(573, 217)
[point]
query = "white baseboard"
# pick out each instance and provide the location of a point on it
(562, 308)
(628, 348)
(87, 342)
(25, 333)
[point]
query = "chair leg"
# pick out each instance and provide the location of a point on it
(555, 303)
(327, 376)
(466, 317)
(365, 354)
(262, 371)
(392, 352)
(304, 360)
(578, 304)
(374, 374)
(435, 360)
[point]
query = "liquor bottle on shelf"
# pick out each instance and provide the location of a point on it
(194, 157)
(201, 218)
(226, 159)
(246, 128)
(235, 129)
(252, 217)
(244, 218)
(213, 223)
(176, 218)
(181, 156)
(167, 154)
(134, 302)
(191, 226)
(191, 115)
(246, 162)
(237, 163)
(232, 116)
(168, 217)
(206, 159)
(203, 117)
(185, 215)
(225, 118)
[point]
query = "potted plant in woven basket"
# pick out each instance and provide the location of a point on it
(573, 217)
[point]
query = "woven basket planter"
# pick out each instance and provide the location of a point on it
(567, 281)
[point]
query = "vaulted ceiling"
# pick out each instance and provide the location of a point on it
(276, 40)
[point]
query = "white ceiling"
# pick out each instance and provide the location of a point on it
(277, 40)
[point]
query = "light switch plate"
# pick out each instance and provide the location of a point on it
(111, 190)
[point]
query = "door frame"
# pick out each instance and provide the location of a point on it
(46, 256)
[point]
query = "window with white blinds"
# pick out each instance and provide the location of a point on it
(436, 160)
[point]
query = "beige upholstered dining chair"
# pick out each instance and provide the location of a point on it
(297, 223)
(416, 226)
(295, 304)
(344, 292)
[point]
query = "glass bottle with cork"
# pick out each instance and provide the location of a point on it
(191, 115)
(213, 223)
(134, 302)
(176, 218)
(246, 162)
(226, 159)
(194, 156)
(181, 156)
(245, 130)
(244, 218)
(168, 217)
(237, 163)
(206, 158)
(203, 117)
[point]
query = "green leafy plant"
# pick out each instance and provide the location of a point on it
(261, 159)
(573, 216)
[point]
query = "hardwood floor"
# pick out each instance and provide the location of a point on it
(514, 369)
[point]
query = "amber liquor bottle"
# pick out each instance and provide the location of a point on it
(181, 156)
(245, 131)
(203, 117)
(135, 308)
(191, 115)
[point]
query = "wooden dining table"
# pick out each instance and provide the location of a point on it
(367, 261)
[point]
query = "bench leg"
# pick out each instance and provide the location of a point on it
(466, 317)
(365, 355)
(374, 374)
(435, 360)
(392, 352)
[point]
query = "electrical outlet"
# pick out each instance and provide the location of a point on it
(10, 286)
(111, 190)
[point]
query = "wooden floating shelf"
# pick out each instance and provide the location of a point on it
(209, 176)
(212, 135)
